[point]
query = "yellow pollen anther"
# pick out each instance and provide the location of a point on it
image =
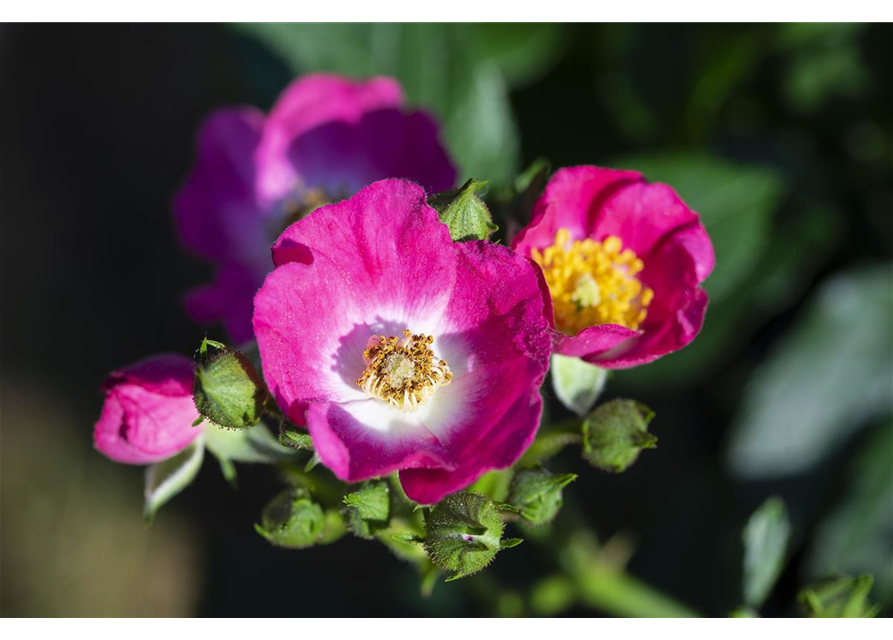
(403, 372)
(593, 283)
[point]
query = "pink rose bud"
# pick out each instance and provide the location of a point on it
(148, 412)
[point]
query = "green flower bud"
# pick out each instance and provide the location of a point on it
(293, 520)
(842, 597)
(536, 493)
(463, 533)
(466, 215)
(368, 508)
(227, 389)
(615, 433)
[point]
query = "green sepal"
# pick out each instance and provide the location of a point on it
(292, 520)
(169, 477)
(615, 433)
(843, 597)
(536, 493)
(227, 389)
(368, 508)
(463, 211)
(510, 543)
(463, 533)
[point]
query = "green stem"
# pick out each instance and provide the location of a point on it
(618, 593)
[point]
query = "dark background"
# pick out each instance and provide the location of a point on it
(779, 135)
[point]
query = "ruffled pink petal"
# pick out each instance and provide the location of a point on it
(694, 239)
(386, 245)
(167, 374)
(501, 447)
(348, 444)
(641, 215)
(497, 310)
(593, 341)
(342, 156)
(674, 333)
(676, 314)
(216, 211)
(159, 426)
(572, 200)
(309, 102)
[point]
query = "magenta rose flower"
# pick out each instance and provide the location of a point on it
(623, 260)
(399, 349)
(324, 138)
(148, 412)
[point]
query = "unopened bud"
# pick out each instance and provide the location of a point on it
(227, 389)
(536, 493)
(293, 520)
(615, 433)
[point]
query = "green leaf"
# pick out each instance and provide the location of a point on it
(166, 479)
(824, 380)
(842, 597)
(522, 51)
(466, 215)
(463, 533)
(765, 538)
(227, 389)
(368, 508)
(735, 202)
(256, 444)
(615, 433)
(536, 493)
(577, 383)
(293, 520)
(854, 537)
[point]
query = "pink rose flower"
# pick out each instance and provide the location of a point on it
(399, 349)
(623, 260)
(148, 412)
(325, 138)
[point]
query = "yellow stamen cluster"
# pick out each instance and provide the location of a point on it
(403, 372)
(593, 283)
